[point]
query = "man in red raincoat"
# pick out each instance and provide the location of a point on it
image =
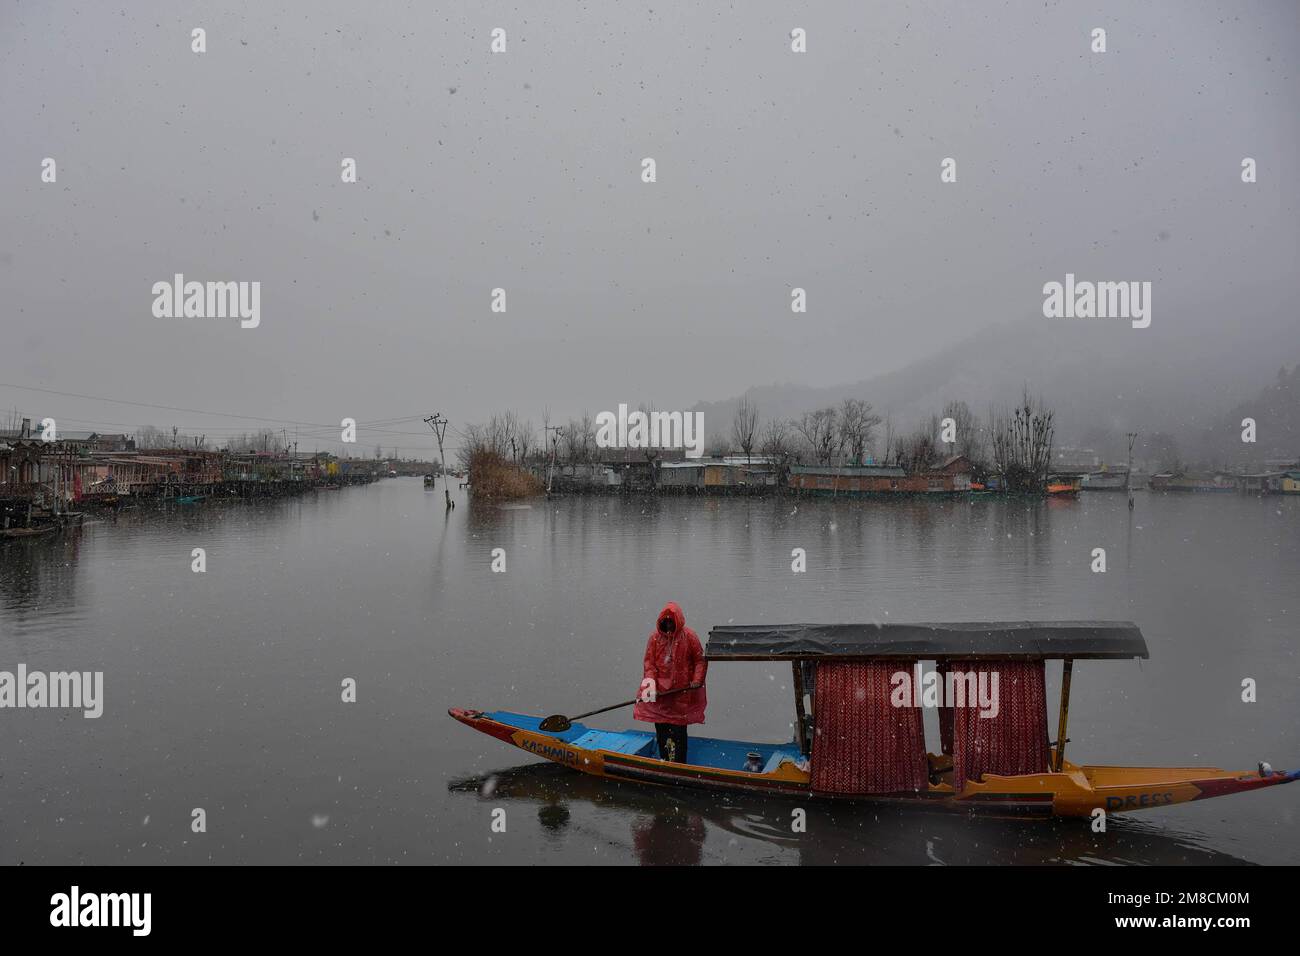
(672, 689)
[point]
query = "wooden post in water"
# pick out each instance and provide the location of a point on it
(1065, 714)
(800, 719)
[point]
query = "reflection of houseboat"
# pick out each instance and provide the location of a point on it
(1105, 481)
(1168, 481)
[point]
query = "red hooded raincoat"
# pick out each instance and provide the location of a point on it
(674, 660)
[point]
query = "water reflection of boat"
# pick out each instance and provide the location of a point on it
(673, 827)
(32, 532)
(869, 746)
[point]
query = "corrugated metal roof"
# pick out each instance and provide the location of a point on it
(959, 640)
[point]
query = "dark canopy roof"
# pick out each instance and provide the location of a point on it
(963, 640)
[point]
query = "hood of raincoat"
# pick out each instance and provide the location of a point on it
(672, 661)
(672, 610)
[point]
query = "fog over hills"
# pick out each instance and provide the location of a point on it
(1098, 375)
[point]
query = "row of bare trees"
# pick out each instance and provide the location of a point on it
(844, 433)
(1015, 444)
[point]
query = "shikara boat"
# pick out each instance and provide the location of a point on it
(1064, 486)
(31, 532)
(859, 694)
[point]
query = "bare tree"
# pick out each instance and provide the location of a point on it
(474, 443)
(968, 435)
(887, 454)
(526, 436)
(580, 439)
(744, 426)
(777, 444)
(775, 440)
(819, 433)
(260, 441)
(806, 428)
(510, 430)
(857, 422)
(1022, 445)
(917, 452)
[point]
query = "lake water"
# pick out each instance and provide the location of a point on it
(223, 689)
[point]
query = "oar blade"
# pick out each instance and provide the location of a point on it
(555, 724)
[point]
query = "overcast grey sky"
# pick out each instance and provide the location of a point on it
(522, 170)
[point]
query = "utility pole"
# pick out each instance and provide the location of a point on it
(1128, 475)
(439, 426)
(555, 441)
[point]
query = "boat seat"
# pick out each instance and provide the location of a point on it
(636, 744)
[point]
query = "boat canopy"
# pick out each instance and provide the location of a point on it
(1001, 640)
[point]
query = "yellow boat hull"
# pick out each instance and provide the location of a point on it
(1075, 791)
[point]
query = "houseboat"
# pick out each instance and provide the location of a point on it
(1217, 482)
(1107, 480)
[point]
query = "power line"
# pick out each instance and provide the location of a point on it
(199, 411)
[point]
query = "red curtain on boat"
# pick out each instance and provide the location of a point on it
(1013, 742)
(945, 712)
(862, 743)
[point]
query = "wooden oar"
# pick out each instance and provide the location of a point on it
(558, 723)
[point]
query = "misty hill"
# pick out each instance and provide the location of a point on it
(1102, 378)
(1276, 413)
